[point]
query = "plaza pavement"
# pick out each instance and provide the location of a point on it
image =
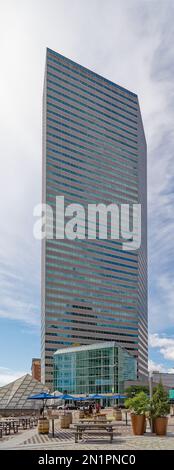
(64, 440)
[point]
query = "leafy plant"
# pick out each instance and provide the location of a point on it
(139, 404)
(159, 405)
(132, 390)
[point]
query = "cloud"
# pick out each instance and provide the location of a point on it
(155, 366)
(161, 292)
(7, 375)
(164, 344)
(20, 311)
(18, 295)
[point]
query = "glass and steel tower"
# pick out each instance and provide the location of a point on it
(94, 151)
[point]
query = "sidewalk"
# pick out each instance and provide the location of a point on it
(65, 440)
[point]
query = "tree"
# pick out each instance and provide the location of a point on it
(160, 405)
(139, 404)
(134, 389)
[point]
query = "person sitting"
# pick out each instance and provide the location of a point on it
(41, 411)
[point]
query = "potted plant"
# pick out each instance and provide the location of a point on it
(138, 406)
(159, 409)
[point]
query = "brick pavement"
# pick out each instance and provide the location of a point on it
(64, 440)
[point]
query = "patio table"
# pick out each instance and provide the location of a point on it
(80, 428)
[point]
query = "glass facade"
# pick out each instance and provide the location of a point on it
(94, 151)
(14, 396)
(99, 368)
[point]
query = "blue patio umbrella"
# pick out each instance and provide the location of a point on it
(118, 397)
(98, 397)
(86, 398)
(41, 396)
(64, 397)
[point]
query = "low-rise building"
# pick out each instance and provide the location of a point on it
(166, 378)
(36, 368)
(94, 368)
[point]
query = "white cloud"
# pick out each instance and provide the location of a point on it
(155, 366)
(17, 297)
(161, 304)
(164, 344)
(16, 310)
(7, 375)
(159, 341)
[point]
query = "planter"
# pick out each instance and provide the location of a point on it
(100, 417)
(117, 415)
(43, 426)
(69, 416)
(160, 426)
(138, 424)
(64, 422)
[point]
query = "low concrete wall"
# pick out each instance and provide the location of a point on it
(6, 413)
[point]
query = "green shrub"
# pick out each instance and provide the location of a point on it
(132, 390)
(139, 404)
(159, 405)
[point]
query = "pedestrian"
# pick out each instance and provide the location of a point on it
(97, 408)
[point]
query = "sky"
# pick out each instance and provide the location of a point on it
(131, 43)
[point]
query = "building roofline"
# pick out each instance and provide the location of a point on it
(93, 346)
(57, 54)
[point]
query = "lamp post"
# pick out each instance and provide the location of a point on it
(112, 366)
(150, 395)
(150, 386)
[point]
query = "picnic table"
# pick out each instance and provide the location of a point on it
(7, 426)
(13, 424)
(91, 428)
(94, 420)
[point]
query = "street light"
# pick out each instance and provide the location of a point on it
(151, 395)
(118, 391)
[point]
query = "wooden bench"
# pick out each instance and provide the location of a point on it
(106, 429)
(93, 421)
(5, 428)
(14, 426)
(10, 425)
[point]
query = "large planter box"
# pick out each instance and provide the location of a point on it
(43, 426)
(160, 426)
(69, 416)
(117, 415)
(138, 424)
(64, 422)
(100, 417)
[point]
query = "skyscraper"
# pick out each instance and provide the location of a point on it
(94, 151)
